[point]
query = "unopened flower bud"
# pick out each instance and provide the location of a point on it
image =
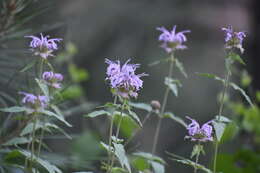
(155, 104)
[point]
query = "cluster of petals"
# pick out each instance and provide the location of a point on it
(172, 40)
(34, 101)
(233, 39)
(52, 79)
(123, 78)
(197, 133)
(43, 46)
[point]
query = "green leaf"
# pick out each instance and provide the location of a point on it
(189, 162)
(142, 106)
(235, 87)
(134, 115)
(175, 118)
(43, 87)
(121, 155)
(28, 66)
(223, 119)
(197, 149)
(219, 128)
(97, 113)
(149, 156)
(52, 114)
(48, 166)
(14, 109)
(236, 57)
(173, 84)
(17, 141)
(157, 167)
(179, 65)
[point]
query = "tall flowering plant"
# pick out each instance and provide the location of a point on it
(38, 109)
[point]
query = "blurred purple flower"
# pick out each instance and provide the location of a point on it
(123, 78)
(35, 102)
(171, 40)
(52, 79)
(233, 39)
(43, 46)
(197, 133)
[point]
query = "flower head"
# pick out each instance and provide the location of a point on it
(43, 46)
(123, 78)
(197, 133)
(34, 102)
(171, 40)
(233, 39)
(52, 79)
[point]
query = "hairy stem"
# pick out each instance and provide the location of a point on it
(165, 99)
(196, 161)
(226, 83)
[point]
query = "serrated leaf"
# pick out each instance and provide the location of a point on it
(97, 113)
(219, 128)
(173, 84)
(175, 118)
(180, 66)
(142, 106)
(14, 109)
(44, 88)
(121, 155)
(52, 114)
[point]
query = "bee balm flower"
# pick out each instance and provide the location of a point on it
(52, 79)
(34, 102)
(197, 133)
(123, 78)
(171, 40)
(43, 46)
(233, 39)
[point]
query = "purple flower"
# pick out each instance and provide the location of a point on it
(43, 46)
(34, 102)
(171, 40)
(52, 79)
(123, 78)
(197, 133)
(233, 39)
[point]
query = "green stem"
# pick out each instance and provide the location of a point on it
(117, 134)
(165, 99)
(33, 140)
(41, 140)
(226, 83)
(110, 135)
(197, 160)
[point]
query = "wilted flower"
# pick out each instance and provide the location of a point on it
(197, 133)
(123, 78)
(233, 39)
(52, 79)
(43, 46)
(171, 40)
(34, 102)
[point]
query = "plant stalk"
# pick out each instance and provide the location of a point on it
(226, 83)
(165, 99)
